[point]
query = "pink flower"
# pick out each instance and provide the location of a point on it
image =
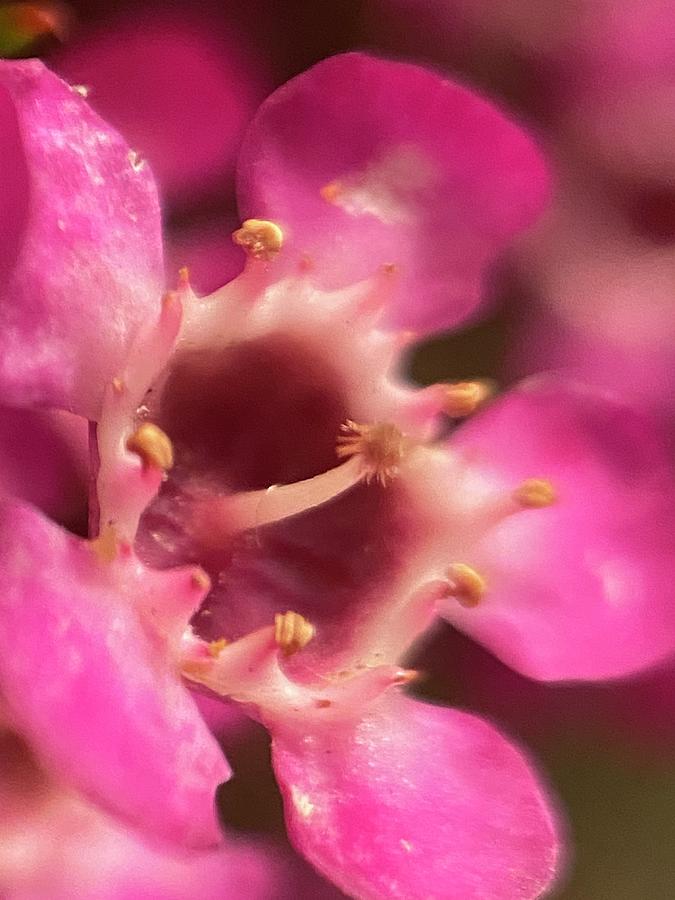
(302, 474)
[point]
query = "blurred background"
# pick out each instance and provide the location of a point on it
(588, 291)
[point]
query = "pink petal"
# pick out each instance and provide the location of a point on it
(56, 845)
(584, 587)
(177, 85)
(417, 800)
(365, 163)
(83, 264)
(75, 649)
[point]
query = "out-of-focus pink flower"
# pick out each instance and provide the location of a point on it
(546, 52)
(601, 290)
(520, 529)
(179, 85)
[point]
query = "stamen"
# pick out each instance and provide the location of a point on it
(259, 238)
(292, 632)
(464, 397)
(465, 585)
(152, 445)
(373, 451)
(535, 493)
(380, 447)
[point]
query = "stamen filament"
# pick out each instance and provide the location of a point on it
(371, 451)
(252, 509)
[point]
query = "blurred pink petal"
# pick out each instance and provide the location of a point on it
(179, 85)
(582, 588)
(82, 265)
(405, 170)
(416, 800)
(53, 844)
(558, 49)
(602, 286)
(88, 640)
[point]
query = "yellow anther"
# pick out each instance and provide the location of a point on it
(216, 647)
(292, 632)
(535, 493)
(464, 397)
(183, 277)
(259, 238)
(106, 545)
(331, 191)
(382, 448)
(152, 445)
(465, 585)
(118, 385)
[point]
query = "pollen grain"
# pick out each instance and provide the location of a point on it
(259, 238)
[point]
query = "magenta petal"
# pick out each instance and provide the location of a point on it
(82, 266)
(417, 800)
(365, 162)
(92, 686)
(582, 588)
